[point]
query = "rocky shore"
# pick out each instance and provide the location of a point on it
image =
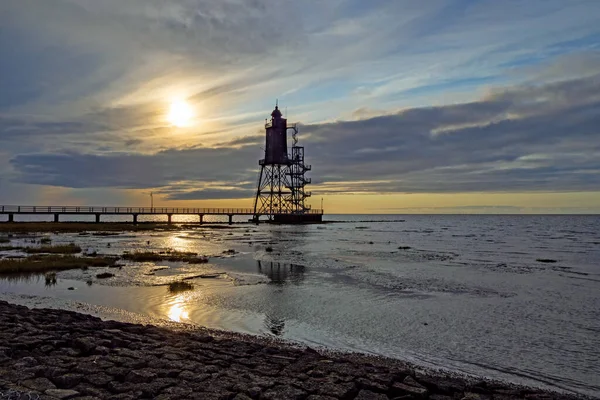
(56, 354)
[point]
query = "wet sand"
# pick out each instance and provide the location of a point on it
(57, 354)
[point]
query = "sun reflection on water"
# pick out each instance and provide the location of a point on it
(178, 311)
(178, 243)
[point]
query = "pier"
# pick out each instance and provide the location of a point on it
(57, 211)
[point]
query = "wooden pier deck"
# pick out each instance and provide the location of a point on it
(98, 211)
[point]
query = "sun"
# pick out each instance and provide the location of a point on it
(180, 113)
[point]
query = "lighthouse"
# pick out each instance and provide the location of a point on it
(281, 192)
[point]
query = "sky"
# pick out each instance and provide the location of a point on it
(404, 106)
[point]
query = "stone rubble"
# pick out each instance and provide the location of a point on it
(55, 354)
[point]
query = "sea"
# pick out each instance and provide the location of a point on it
(508, 297)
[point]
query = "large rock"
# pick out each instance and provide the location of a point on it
(283, 392)
(101, 350)
(88, 390)
(118, 387)
(85, 345)
(100, 379)
(118, 373)
(447, 386)
(339, 390)
(188, 375)
(368, 395)
(241, 396)
(140, 376)
(67, 381)
(400, 389)
(86, 398)
(153, 388)
(254, 392)
(371, 385)
(410, 381)
(26, 362)
(52, 372)
(61, 393)
(39, 384)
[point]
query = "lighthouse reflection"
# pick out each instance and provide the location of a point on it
(274, 324)
(279, 274)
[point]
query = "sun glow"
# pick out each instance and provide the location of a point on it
(177, 311)
(181, 114)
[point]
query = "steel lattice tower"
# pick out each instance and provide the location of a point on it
(281, 181)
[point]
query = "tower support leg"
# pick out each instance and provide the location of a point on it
(97, 218)
(56, 217)
(169, 218)
(11, 217)
(135, 218)
(258, 189)
(201, 218)
(230, 219)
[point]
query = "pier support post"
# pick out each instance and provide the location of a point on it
(230, 219)
(97, 218)
(11, 217)
(201, 218)
(56, 217)
(169, 217)
(135, 218)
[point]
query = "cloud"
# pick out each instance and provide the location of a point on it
(210, 194)
(136, 171)
(524, 138)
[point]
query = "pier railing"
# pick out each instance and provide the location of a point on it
(11, 209)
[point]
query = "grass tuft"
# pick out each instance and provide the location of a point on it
(46, 263)
(145, 256)
(106, 233)
(76, 227)
(70, 248)
(180, 286)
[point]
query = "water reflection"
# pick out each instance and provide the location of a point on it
(21, 277)
(178, 242)
(274, 324)
(280, 273)
(177, 310)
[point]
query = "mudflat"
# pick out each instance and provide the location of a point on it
(64, 227)
(57, 354)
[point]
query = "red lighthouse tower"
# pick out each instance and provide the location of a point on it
(281, 194)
